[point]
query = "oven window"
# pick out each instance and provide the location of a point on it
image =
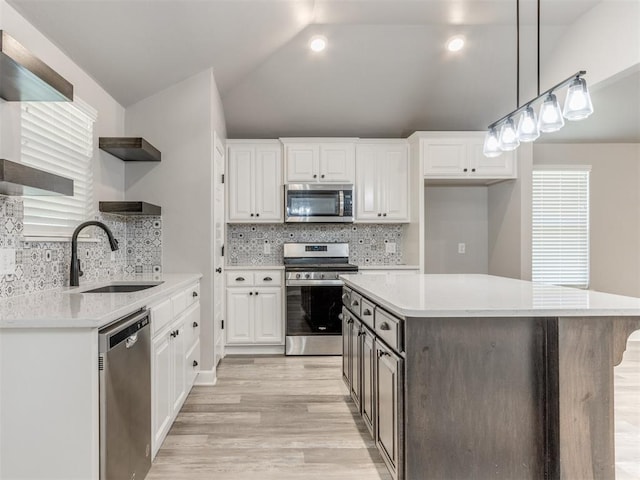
(314, 310)
(306, 204)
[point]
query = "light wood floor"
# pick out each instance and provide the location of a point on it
(268, 418)
(289, 418)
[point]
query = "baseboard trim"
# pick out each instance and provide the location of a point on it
(254, 350)
(206, 378)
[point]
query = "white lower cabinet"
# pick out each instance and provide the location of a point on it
(175, 356)
(254, 311)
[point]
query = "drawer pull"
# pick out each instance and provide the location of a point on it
(219, 270)
(267, 279)
(256, 293)
(382, 354)
(239, 279)
(349, 320)
(195, 324)
(251, 293)
(195, 363)
(360, 333)
(355, 303)
(367, 313)
(194, 294)
(385, 326)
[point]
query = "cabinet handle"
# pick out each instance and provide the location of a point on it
(252, 213)
(195, 363)
(256, 294)
(385, 326)
(239, 279)
(315, 176)
(355, 303)
(219, 270)
(195, 324)
(366, 313)
(384, 214)
(257, 214)
(382, 354)
(267, 279)
(360, 333)
(465, 169)
(379, 214)
(194, 294)
(322, 176)
(473, 169)
(350, 321)
(251, 293)
(174, 334)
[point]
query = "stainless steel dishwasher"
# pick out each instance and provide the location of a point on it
(125, 398)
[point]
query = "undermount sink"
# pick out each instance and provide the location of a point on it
(123, 288)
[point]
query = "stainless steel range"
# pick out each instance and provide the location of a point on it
(314, 297)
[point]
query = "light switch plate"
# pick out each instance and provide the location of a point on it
(7, 261)
(462, 248)
(390, 247)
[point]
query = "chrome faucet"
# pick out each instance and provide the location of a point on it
(76, 272)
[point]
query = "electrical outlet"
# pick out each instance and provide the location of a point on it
(7, 261)
(462, 248)
(390, 247)
(267, 249)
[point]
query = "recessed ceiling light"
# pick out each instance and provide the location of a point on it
(318, 43)
(455, 44)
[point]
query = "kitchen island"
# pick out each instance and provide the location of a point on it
(483, 377)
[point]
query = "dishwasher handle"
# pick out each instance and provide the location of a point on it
(124, 330)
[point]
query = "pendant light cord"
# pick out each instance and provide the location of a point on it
(518, 53)
(538, 49)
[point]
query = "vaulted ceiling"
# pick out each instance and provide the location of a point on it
(385, 72)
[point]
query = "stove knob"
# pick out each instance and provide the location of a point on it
(297, 275)
(306, 275)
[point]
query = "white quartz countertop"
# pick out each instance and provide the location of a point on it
(388, 267)
(70, 308)
(254, 267)
(470, 295)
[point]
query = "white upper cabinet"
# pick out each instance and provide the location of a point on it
(255, 191)
(458, 156)
(382, 182)
(326, 161)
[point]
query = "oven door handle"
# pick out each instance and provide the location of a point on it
(314, 283)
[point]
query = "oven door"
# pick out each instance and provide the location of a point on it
(318, 203)
(313, 310)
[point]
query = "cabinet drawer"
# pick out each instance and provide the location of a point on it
(268, 278)
(192, 364)
(192, 294)
(239, 278)
(366, 312)
(388, 328)
(355, 303)
(161, 315)
(179, 303)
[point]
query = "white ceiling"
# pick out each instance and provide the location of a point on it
(384, 73)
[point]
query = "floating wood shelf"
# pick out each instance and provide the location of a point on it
(17, 179)
(26, 78)
(130, 149)
(129, 208)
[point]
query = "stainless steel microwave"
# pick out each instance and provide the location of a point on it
(322, 203)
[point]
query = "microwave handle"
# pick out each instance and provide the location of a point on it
(341, 202)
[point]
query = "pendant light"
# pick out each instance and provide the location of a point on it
(577, 106)
(550, 118)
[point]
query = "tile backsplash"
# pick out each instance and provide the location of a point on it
(246, 242)
(45, 265)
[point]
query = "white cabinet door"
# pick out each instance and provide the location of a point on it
(162, 402)
(302, 162)
(502, 166)
(268, 316)
(239, 316)
(367, 183)
(240, 182)
(394, 183)
(179, 369)
(268, 184)
(445, 158)
(337, 162)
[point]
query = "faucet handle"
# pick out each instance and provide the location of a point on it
(80, 272)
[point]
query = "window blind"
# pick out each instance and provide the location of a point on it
(560, 249)
(58, 137)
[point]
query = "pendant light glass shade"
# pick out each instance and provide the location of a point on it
(550, 119)
(528, 126)
(491, 145)
(508, 138)
(577, 105)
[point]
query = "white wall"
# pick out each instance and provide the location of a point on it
(108, 171)
(456, 215)
(614, 209)
(180, 122)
